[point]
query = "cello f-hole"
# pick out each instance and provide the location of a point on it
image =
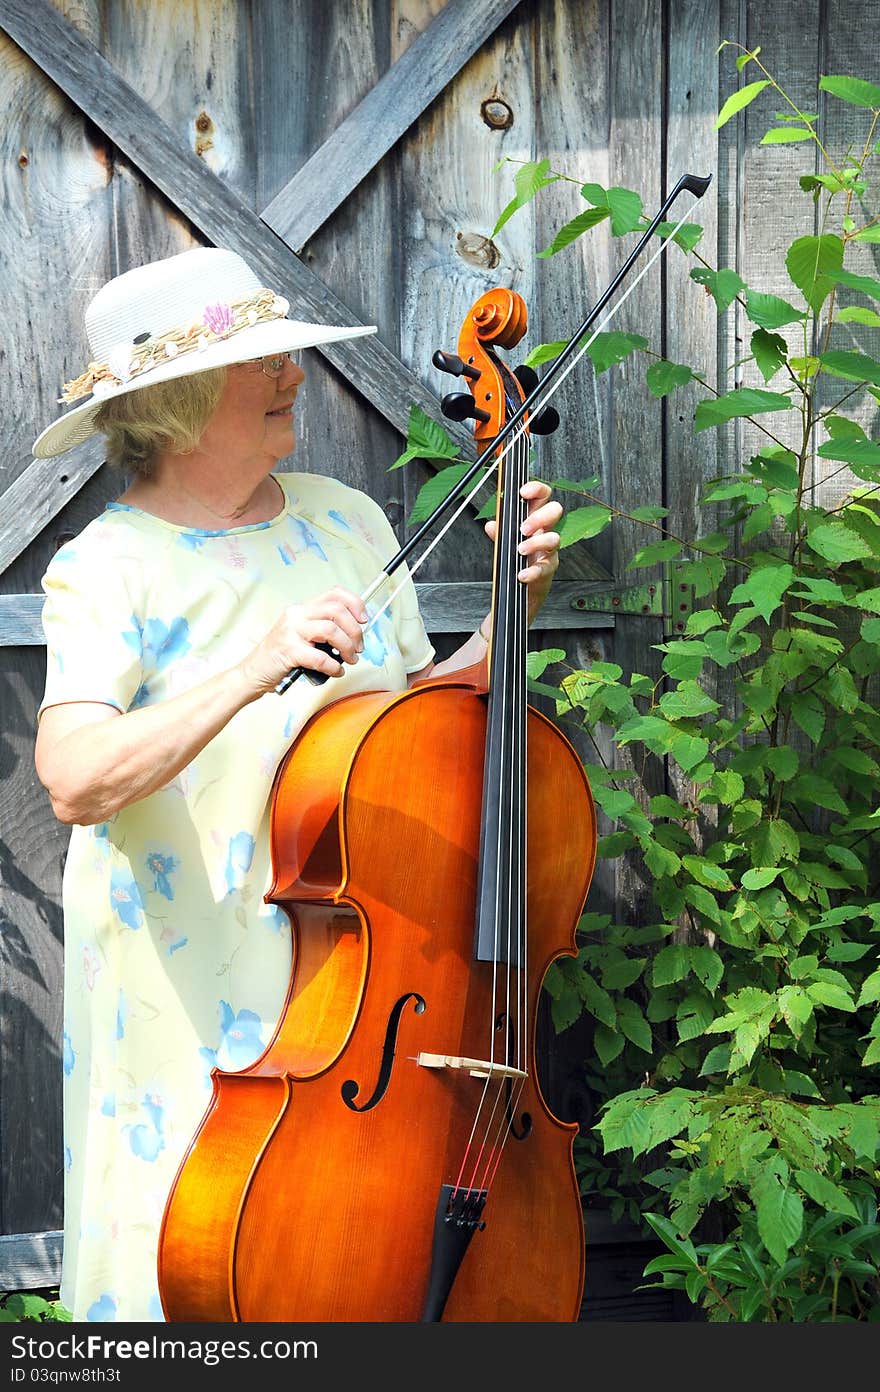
(350, 1088)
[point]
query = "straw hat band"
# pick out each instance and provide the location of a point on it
(126, 360)
(168, 319)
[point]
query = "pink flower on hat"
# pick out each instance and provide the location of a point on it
(218, 317)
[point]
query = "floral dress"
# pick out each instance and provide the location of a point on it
(174, 964)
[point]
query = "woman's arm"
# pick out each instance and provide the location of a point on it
(93, 760)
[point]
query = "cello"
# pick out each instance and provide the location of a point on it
(389, 1156)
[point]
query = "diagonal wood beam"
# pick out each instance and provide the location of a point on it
(88, 80)
(390, 108)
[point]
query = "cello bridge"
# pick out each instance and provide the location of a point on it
(478, 1068)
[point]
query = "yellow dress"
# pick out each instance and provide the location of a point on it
(174, 964)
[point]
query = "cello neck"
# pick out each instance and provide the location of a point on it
(501, 876)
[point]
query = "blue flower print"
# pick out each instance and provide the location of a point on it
(375, 646)
(192, 541)
(146, 1139)
(240, 1040)
(101, 837)
(157, 643)
(125, 897)
(68, 1159)
(161, 866)
(238, 859)
(340, 521)
(104, 1309)
(68, 1057)
(108, 1104)
(306, 538)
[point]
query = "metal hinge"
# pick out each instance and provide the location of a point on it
(672, 599)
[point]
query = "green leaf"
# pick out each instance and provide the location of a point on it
(716, 1061)
(666, 1231)
(574, 229)
(695, 1012)
(784, 135)
(837, 543)
(632, 1023)
(723, 285)
(432, 493)
(850, 450)
(581, 523)
(687, 236)
(529, 179)
(866, 284)
(867, 234)
(770, 311)
(657, 551)
(858, 314)
(770, 352)
(826, 993)
(764, 588)
(796, 1007)
(545, 352)
(870, 991)
(779, 1210)
(829, 1196)
(737, 100)
(536, 662)
(808, 714)
(609, 1043)
(597, 1001)
(759, 878)
(626, 210)
(854, 367)
(742, 401)
(852, 89)
(613, 347)
(663, 377)
(808, 260)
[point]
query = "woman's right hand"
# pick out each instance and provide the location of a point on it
(335, 617)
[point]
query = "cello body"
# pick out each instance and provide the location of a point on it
(313, 1189)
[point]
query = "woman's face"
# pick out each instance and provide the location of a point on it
(253, 419)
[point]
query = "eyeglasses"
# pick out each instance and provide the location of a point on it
(272, 365)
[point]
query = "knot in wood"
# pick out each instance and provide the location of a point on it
(204, 129)
(477, 250)
(496, 113)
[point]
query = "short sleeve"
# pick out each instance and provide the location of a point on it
(94, 640)
(412, 636)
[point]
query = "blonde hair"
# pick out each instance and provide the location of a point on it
(167, 416)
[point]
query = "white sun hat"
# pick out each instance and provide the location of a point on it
(187, 313)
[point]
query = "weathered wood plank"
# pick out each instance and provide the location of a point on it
(38, 495)
(450, 201)
(382, 116)
(347, 53)
(90, 81)
(843, 51)
(446, 607)
(30, 1261)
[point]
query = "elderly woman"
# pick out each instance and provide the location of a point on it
(169, 622)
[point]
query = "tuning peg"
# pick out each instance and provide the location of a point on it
(460, 406)
(451, 362)
(545, 422)
(527, 378)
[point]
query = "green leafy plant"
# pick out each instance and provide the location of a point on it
(735, 1030)
(18, 1306)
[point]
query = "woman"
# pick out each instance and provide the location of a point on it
(169, 622)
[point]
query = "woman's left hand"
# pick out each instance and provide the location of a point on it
(540, 542)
